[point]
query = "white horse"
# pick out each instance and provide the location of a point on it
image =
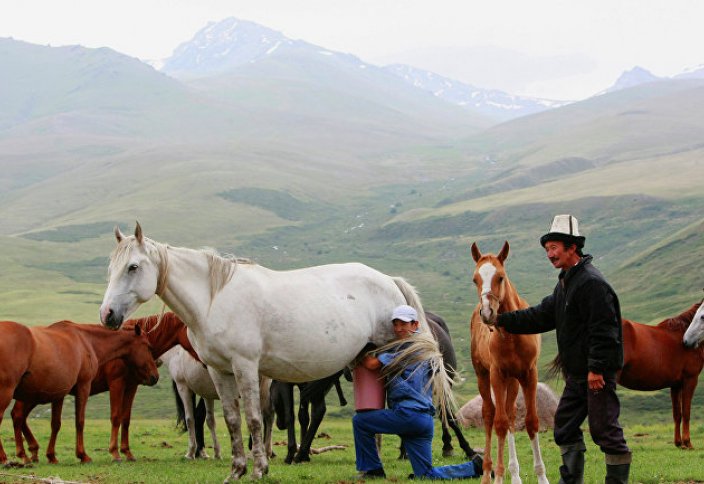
(243, 319)
(191, 377)
(694, 335)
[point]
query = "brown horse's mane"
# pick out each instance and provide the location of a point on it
(148, 323)
(681, 322)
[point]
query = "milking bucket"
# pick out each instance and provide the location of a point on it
(369, 391)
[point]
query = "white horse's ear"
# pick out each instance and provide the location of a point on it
(504, 252)
(476, 255)
(118, 234)
(138, 233)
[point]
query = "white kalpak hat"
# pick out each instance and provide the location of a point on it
(564, 228)
(405, 313)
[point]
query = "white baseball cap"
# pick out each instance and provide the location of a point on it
(405, 313)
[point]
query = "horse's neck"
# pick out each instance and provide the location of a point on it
(164, 334)
(680, 323)
(511, 300)
(187, 290)
(107, 345)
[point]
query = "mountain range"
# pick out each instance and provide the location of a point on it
(230, 44)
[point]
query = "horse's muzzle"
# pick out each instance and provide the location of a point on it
(111, 320)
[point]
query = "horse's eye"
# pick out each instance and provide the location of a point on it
(132, 268)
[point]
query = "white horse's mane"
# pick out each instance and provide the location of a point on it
(221, 268)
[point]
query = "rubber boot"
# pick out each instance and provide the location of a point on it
(617, 468)
(572, 468)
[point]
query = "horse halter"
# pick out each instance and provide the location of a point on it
(491, 295)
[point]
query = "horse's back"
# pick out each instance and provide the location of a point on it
(655, 358)
(56, 363)
(186, 370)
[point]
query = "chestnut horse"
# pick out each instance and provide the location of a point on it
(502, 361)
(655, 358)
(121, 381)
(44, 364)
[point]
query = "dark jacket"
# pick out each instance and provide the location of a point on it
(585, 311)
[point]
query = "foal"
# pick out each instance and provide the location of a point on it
(502, 361)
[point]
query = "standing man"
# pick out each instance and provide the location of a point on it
(584, 310)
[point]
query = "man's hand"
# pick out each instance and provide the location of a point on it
(595, 381)
(371, 362)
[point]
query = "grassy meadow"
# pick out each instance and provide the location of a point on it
(159, 448)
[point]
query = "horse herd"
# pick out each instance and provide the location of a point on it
(236, 326)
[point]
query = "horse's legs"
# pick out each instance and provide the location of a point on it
(447, 449)
(56, 407)
(6, 391)
(210, 421)
(81, 399)
(530, 394)
(488, 412)
(32, 444)
(267, 412)
(187, 399)
(290, 421)
(116, 389)
(690, 384)
(469, 452)
(501, 421)
(228, 392)
(676, 397)
(127, 402)
(303, 453)
(338, 389)
(199, 414)
(511, 385)
(318, 413)
(18, 422)
(247, 376)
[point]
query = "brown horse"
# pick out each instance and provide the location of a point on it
(655, 358)
(44, 364)
(502, 361)
(117, 377)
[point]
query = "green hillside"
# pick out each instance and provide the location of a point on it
(295, 167)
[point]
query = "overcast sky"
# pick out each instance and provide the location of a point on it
(567, 49)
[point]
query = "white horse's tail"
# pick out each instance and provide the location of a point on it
(423, 348)
(412, 299)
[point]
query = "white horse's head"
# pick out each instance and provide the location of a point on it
(695, 333)
(135, 273)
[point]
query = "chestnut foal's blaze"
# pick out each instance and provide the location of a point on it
(44, 364)
(502, 361)
(656, 358)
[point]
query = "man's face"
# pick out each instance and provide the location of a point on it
(403, 330)
(560, 255)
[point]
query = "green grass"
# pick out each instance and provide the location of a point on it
(159, 448)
